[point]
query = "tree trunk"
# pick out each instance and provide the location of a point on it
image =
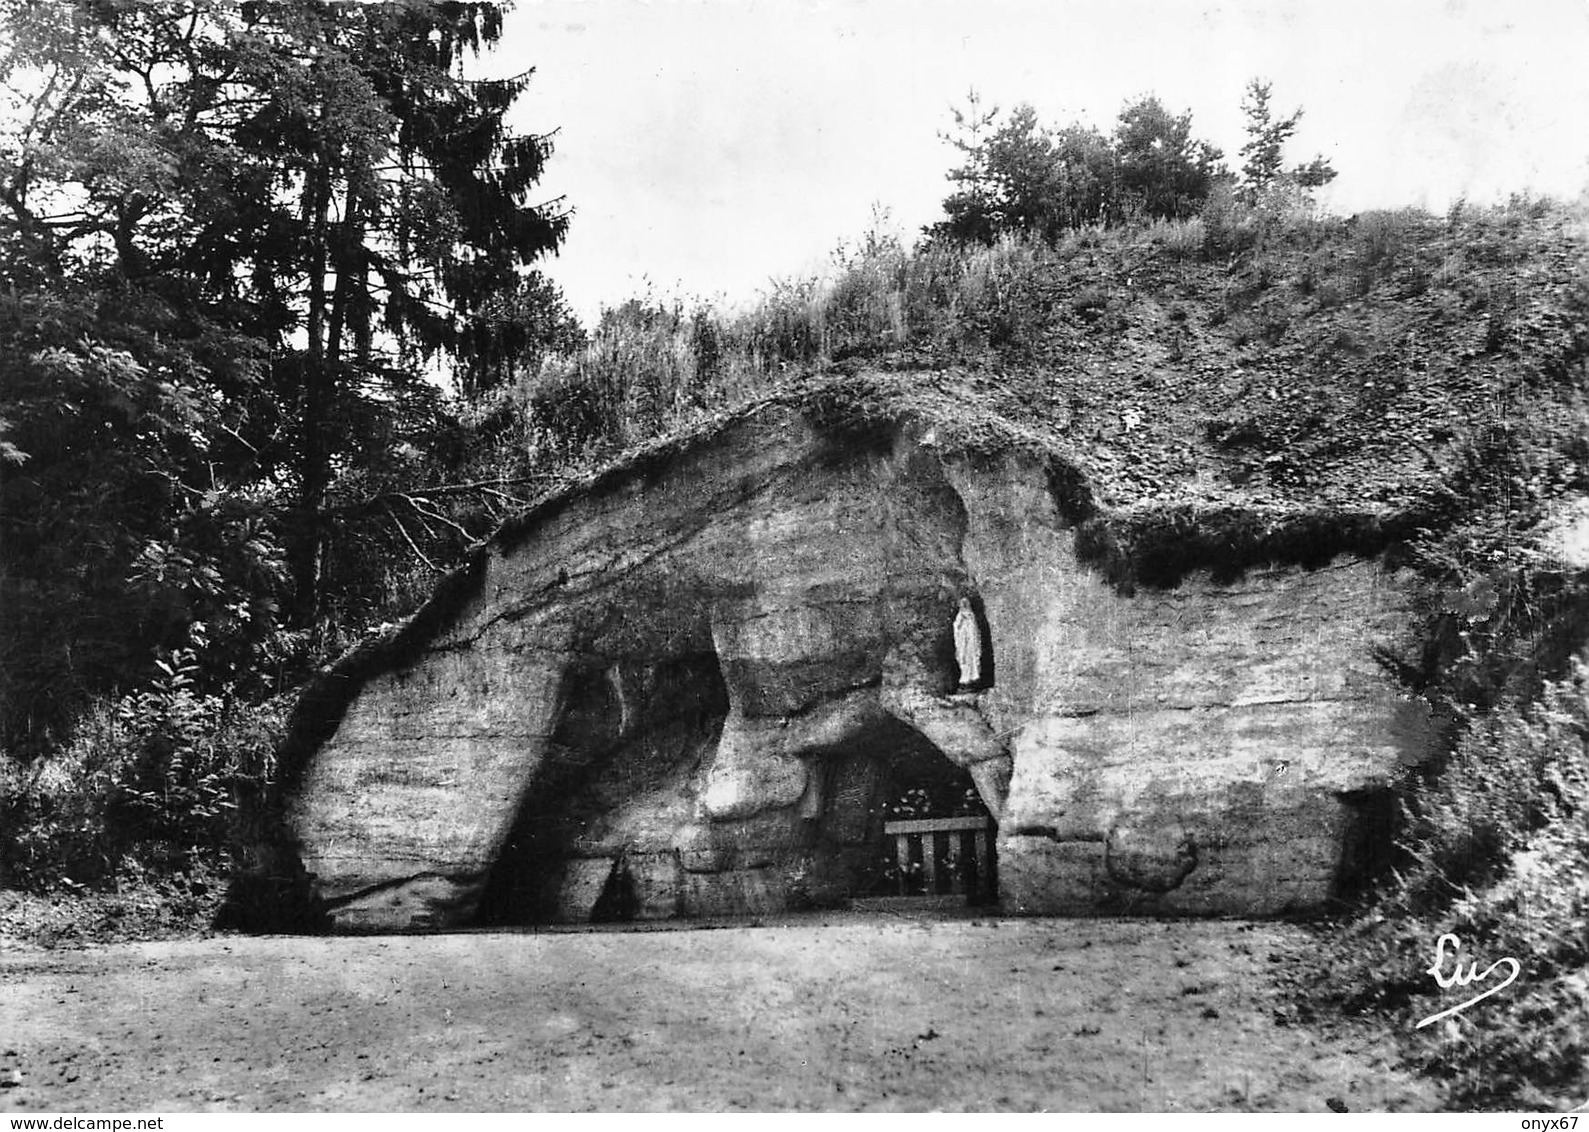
(313, 459)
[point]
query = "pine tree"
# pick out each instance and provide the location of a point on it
(239, 244)
(970, 207)
(339, 189)
(1163, 169)
(1263, 165)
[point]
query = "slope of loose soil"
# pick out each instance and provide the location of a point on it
(1342, 364)
(837, 1014)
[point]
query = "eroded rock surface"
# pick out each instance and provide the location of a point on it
(690, 689)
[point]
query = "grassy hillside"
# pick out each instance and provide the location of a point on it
(1261, 361)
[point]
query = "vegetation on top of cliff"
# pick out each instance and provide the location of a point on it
(1190, 337)
(1222, 384)
(1254, 360)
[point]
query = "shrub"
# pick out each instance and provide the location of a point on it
(156, 779)
(1180, 239)
(996, 288)
(1229, 227)
(1496, 851)
(1382, 241)
(1510, 775)
(864, 306)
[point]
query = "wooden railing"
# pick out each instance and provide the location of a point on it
(950, 855)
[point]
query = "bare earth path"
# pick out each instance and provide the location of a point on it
(826, 1014)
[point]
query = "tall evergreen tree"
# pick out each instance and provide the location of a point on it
(969, 208)
(248, 236)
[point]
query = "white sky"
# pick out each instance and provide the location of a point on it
(710, 145)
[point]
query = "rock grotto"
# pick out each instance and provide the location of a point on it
(699, 685)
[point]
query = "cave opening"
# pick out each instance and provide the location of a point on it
(627, 744)
(597, 834)
(904, 821)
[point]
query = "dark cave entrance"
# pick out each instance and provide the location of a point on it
(594, 835)
(903, 821)
(625, 734)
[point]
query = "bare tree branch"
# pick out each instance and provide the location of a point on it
(426, 513)
(409, 539)
(492, 487)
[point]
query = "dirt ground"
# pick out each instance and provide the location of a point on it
(832, 1013)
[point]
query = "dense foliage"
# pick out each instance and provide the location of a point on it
(238, 246)
(154, 782)
(258, 265)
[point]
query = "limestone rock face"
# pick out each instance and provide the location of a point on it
(690, 689)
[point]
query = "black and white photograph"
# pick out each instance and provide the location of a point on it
(793, 556)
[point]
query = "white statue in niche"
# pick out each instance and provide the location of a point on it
(968, 645)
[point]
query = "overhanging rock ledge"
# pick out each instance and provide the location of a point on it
(687, 688)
